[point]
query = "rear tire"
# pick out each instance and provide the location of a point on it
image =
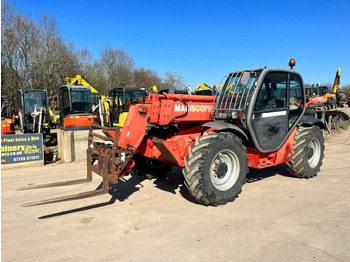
(216, 168)
(308, 152)
(149, 168)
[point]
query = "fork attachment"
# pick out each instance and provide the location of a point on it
(112, 162)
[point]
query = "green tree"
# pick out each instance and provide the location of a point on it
(146, 78)
(55, 59)
(18, 42)
(173, 81)
(346, 91)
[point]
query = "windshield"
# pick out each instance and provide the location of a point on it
(122, 99)
(32, 100)
(324, 90)
(311, 91)
(131, 95)
(81, 100)
(235, 94)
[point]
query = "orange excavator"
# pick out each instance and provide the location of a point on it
(75, 108)
(7, 122)
(321, 101)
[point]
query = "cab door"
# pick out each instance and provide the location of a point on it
(270, 118)
(64, 102)
(273, 115)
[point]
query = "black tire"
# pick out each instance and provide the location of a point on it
(330, 123)
(335, 122)
(149, 168)
(216, 168)
(308, 152)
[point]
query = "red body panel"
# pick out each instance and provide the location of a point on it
(315, 101)
(163, 111)
(172, 150)
(166, 108)
(79, 121)
(262, 160)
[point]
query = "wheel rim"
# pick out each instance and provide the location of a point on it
(224, 170)
(314, 153)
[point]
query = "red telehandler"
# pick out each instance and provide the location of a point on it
(248, 124)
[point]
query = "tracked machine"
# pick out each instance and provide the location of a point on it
(323, 103)
(250, 123)
(33, 111)
(75, 108)
(7, 116)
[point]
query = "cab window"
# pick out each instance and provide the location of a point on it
(296, 98)
(273, 92)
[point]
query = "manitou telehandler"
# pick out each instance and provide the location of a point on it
(249, 124)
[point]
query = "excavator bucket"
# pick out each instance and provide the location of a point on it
(104, 154)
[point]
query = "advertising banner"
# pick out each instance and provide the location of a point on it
(21, 148)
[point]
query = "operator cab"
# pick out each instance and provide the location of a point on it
(123, 97)
(265, 103)
(33, 109)
(76, 108)
(75, 99)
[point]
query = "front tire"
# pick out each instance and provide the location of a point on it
(308, 152)
(216, 168)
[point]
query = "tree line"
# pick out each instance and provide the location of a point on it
(36, 56)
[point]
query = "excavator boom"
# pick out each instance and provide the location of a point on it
(336, 82)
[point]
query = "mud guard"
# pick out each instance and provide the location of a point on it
(221, 125)
(311, 121)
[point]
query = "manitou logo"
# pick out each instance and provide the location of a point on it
(193, 108)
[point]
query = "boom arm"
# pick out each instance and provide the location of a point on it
(336, 82)
(80, 81)
(204, 86)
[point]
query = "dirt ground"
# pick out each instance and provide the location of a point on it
(275, 218)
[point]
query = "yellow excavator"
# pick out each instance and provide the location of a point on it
(330, 95)
(204, 89)
(112, 109)
(153, 89)
(340, 96)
